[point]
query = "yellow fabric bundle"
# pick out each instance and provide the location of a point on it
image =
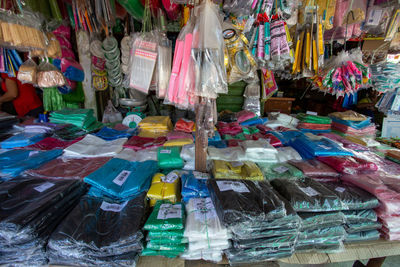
(245, 170)
(179, 142)
(349, 115)
(155, 126)
(164, 188)
(355, 139)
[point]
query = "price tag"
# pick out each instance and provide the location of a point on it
(281, 169)
(312, 113)
(121, 178)
(169, 211)
(232, 185)
(43, 187)
(309, 191)
(170, 178)
(200, 175)
(165, 151)
(204, 209)
(113, 206)
(340, 189)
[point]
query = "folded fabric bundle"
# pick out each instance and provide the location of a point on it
(307, 118)
(169, 158)
(327, 240)
(253, 121)
(259, 151)
(216, 137)
(272, 139)
(345, 143)
(178, 142)
(231, 128)
(194, 185)
(313, 126)
(97, 232)
(358, 125)
(352, 228)
(362, 236)
(319, 220)
(69, 132)
(239, 136)
(385, 166)
(139, 143)
(34, 160)
(258, 254)
(140, 155)
(314, 168)
(356, 216)
(218, 144)
(287, 153)
(244, 115)
(93, 146)
(312, 148)
(155, 126)
(10, 157)
(241, 201)
(348, 115)
(30, 210)
(307, 195)
(284, 119)
(68, 168)
(287, 136)
(393, 155)
(349, 165)
(228, 154)
(185, 125)
(188, 152)
(179, 135)
(234, 142)
(50, 143)
(164, 187)
(82, 118)
(22, 140)
(109, 134)
(44, 128)
(245, 170)
(121, 178)
(348, 130)
(280, 170)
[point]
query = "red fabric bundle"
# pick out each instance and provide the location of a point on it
(183, 125)
(264, 129)
(140, 143)
(349, 165)
(244, 115)
(234, 142)
(273, 140)
(313, 126)
(231, 128)
(50, 143)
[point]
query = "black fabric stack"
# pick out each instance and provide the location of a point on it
(322, 207)
(7, 122)
(99, 233)
(30, 210)
(264, 226)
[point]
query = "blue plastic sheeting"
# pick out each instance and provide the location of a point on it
(193, 187)
(309, 149)
(22, 139)
(314, 131)
(254, 121)
(109, 134)
(286, 137)
(10, 157)
(122, 179)
(218, 144)
(31, 162)
(354, 124)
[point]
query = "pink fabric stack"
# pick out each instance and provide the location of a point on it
(367, 131)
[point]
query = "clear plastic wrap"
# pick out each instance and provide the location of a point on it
(322, 240)
(110, 134)
(252, 104)
(27, 72)
(93, 146)
(314, 168)
(111, 114)
(141, 155)
(312, 221)
(194, 185)
(169, 158)
(49, 76)
(245, 170)
(280, 170)
(362, 226)
(140, 143)
(165, 217)
(21, 140)
(164, 62)
(362, 236)
(355, 216)
(228, 154)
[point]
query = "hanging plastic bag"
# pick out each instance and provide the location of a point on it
(111, 114)
(164, 65)
(49, 76)
(27, 72)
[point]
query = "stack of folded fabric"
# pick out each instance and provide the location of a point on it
(280, 170)
(233, 153)
(155, 126)
(345, 142)
(22, 140)
(164, 187)
(393, 155)
(30, 210)
(50, 143)
(263, 225)
(206, 235)
(7, 121)
(245, 170)
(69, 132)
(188, 154)
(110, 134)
(14, 162)
(92, 146)
(229, 128)
(169, 158)
(282, 119)
(122, 179)
(313, 123)
(184, 125)
(194, 185)
(99, 233)
(349, 165)
(315, 169)
(44, 128)
(82, 118)
(140, 143)
(259, 151)
(166, 228)
(352, 123)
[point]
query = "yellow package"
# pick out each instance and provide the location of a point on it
(355, 139)
(245, 170)
(152, 133)
(156, 122)
(164, 187)
(178, 142)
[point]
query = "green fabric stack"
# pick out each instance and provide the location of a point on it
(307, 118)
(166, 227)
(82, 118)
(234, 100)
(169, 158)
(280, 170)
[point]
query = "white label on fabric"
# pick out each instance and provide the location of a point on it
(309, 191)
(170, 178)
(234, 186)
(169, 211)
(249, 24)
(281, 169)
(121, 178)
(325, 147)
(113, 206)
(43, 187)
(312, 113)
(200, 175)
(204, 209)
(33, 153)
(374, 16)
(165, 151)
(340, 189)
(236, 164)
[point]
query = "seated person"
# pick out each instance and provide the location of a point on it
(19, 99)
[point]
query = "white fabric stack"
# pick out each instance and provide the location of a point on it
(141, 155)
(259, 151)
(287, 153)
(207, 236)
(188, 154)
(226, 154)
(92, 146)
(282, 119)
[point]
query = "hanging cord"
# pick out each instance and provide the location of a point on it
(147, 26)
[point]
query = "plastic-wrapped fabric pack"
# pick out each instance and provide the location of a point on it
(328, 240)
(50, 143)
(155, 126)
(245, 170)
(97, 232)
(363, 236)
(140, 143)
(121, 178)
(184, 125)
(82, 118)
(141, 155)
(317, 220)
(21, 140)
(169, 158)
(259, 151)
(314, 168)
(345, 143)
(93, 146)
(312, 148)
(287, 153)
(178, 142)
(164, 187)
(204, 231)
(31, 209)
(194, 185)
(231, 128)
(228, 154)
(307, 118)
(69, 132)
(110, 134)
(280, 170)
(68, 168)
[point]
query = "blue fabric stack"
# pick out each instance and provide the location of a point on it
(22, 139)
(194, 185)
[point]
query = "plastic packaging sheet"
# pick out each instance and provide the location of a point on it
(194, 185)
(109, 134)
(328, 239)
(358, 125)
(21, 140)
(345, 143)
(50, 143)
(169, 158)
(139, 143)
(179, 135)
(141, 155)
(318, 220)
(69, 132)
(166, 216)
(246, 170)
(280, 170)
(347, 130)
(287, 153)
(362, 226)
(68, 168)
(362, 236)
(31, 208)
(178, 142)
(231, 128)
(314, 168)
(155, 126)
(97, 232)
(356, 216)
(228, 154)
(385, 166)
(188, 152)
(307, 195)
(241, 201)
(312, 148)
(259, 151)
(258, 254)
(164, 187)
(284, 119)
(184, 125)
(93, 146)
(121, 178)
(35, 160)
(307, 118)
